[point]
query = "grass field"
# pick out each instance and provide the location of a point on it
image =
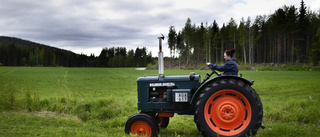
(39, 101)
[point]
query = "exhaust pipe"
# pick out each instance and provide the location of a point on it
(160, 58)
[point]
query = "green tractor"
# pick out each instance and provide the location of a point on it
(222, 106)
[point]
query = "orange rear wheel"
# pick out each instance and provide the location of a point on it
(228, 107)
(227, 112)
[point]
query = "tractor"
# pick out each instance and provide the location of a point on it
(222, 106)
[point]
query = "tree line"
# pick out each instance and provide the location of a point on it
(289, 35)
(18, 52)
(119, 57)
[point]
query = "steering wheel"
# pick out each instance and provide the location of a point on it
(214, 71)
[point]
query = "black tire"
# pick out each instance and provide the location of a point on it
(142, 124)
(163, 122)
(228, 107)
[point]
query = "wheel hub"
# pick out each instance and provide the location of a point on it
(227, 112)
(141, 130)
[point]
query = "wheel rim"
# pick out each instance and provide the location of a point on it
(227, 112)
(159, 120)
(141, 128)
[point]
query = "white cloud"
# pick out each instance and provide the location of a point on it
(88, 26)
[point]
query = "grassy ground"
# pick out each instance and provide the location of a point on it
(39, 101)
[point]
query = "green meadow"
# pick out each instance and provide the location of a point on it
(58, 101)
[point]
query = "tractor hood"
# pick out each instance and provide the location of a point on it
(170, 78)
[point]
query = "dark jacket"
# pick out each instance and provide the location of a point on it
(228, 68)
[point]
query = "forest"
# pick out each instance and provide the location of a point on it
(19, 52)
(290, 35)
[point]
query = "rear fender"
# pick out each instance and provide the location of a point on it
(196, 94)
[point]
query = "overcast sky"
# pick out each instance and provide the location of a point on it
(88, 26)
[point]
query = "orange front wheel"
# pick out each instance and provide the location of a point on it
(163, 122)
(141, 124)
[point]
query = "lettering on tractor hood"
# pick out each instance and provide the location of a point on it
(162, 84)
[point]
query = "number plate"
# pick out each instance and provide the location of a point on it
(181, 97)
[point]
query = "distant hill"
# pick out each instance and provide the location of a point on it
(19, 52)
(5, 41)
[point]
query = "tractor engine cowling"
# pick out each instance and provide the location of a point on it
(168, 94)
